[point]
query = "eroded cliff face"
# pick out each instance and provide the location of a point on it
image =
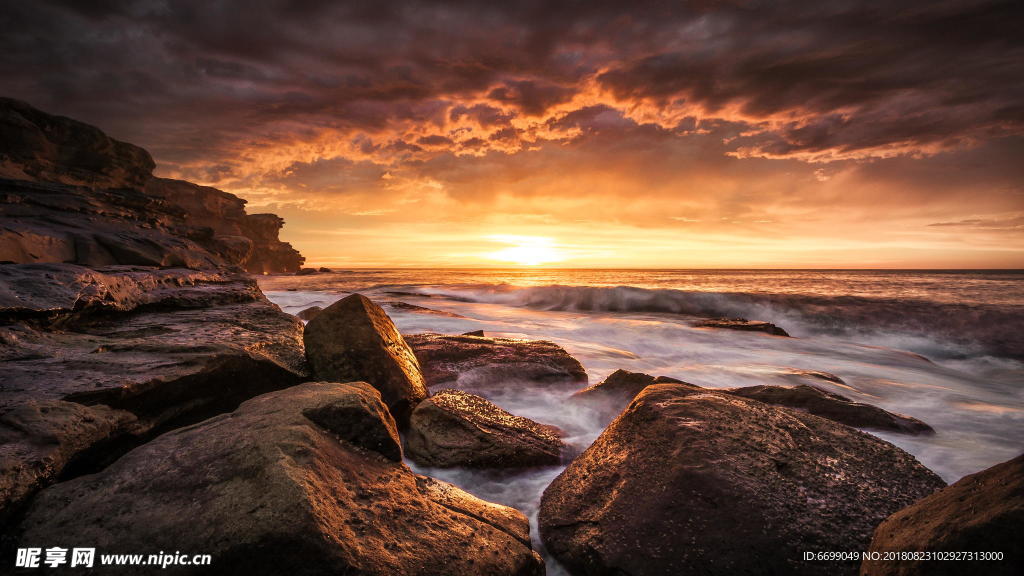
(70, 193)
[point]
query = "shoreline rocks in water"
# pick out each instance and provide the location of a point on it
(354, 339)
(744, 325)
(287, 484)
(615, 392)
(983, 512)
(834, 407)
(454, 428)
(445, 359)
(690, 481)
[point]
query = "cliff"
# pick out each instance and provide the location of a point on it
(70, 193)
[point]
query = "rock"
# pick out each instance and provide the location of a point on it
(743, 324)
(278, 486)
(695, 482)
(479, 333)
(42, 147)
(60, 290)
(305, 271)
(618, 389)
(310, 313)
(353, 339)
(981, 512)
(97, 361)
(406, 307)
(324, 270)
(445, 359)
(454, 428)
(834, 407)
(69, 193)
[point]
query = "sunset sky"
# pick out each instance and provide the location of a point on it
(576, 134)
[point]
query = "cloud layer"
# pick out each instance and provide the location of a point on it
(738, 118)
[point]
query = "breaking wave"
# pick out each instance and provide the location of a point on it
(950, 329)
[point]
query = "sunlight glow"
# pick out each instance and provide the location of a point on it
(526, 250)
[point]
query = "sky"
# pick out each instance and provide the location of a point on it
(776, 134)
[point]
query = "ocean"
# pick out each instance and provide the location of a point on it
(946, 347)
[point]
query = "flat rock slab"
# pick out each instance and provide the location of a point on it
(834, 407)
(52, 290)
(743, 324)
(354, 339)
(698, 482)
(447, 359)
(454, 428)
(280, 486)
(983, 512)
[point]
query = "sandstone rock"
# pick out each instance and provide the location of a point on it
(69, 193)
(268, 489)
(687, 481)
(310, 313)
(98, 361)
(479, 333)
(56, 290)
(834, 407)
(455, 428)
(39, 146)
(983, 512)
(445, 359)
(353, 339)
(743, 324)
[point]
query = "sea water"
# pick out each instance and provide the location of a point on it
(946, 347)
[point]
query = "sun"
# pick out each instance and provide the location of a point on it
(526, 250)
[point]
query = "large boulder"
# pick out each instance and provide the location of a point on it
(834, 407)
(97, 361)
(476, 360)
(303, 481)
(688, 481)
(981, 513)
(353, 339)
(455, 428)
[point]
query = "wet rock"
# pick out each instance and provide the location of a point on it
(406, 307)
(834, 407)
(324, 270)
(479, 333)
(310, 313)
(981, 512)
(742, 324)
(445, 359)
(455, 428)
(353, 339)
(269, 489)
(617, 390)
(688, 481)
(69, 193)
(305, 271)
(61, 290)
(96, 362)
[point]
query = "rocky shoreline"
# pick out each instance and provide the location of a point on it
(153, 399)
